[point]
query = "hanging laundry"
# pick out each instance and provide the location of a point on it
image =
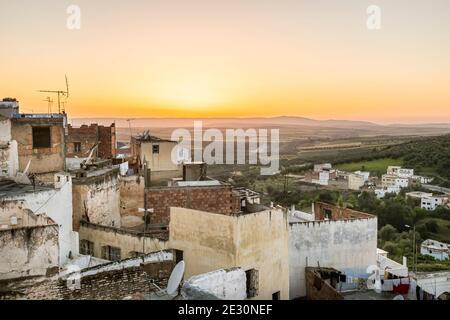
(401, 288)
(387, 285)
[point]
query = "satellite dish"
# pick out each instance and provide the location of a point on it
(175, 278)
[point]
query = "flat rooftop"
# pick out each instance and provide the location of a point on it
(10, 188)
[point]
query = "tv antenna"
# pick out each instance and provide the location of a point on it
(49, 105)
(60, 94)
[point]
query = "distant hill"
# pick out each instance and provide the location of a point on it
(227, 122)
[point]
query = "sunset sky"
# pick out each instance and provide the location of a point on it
(206, 58)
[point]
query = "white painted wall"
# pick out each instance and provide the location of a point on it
(9, 157)
(431, 203)
(221, 284)
(347, 245)
(57, 204)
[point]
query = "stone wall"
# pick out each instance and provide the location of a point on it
(112, 281)
(215, 199)
(97, 199)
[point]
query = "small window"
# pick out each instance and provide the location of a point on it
(111, 253)
(41, 137)
(276, 295)
(155, 148)
(77, 147)
(252, 276)
(86, 247)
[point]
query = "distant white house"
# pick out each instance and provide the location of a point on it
(432, 202)
(381, 192)
(390, 180)
(365, 174)
(436, 249)
(356, 181)
(323, 178)
(422, 179)
(400, 172)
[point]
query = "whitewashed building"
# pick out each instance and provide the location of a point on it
(436, 249)
(432, 202)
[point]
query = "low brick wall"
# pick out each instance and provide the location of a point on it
(216, 199)
(97, 283)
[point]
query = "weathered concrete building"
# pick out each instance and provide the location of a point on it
(40, 138)
(28, 243)
(81, 140)
(338, 238)
(96, 196)
(157, 153)
(256, 242)
(54, 201)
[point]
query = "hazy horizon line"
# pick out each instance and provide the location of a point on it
(376, 122)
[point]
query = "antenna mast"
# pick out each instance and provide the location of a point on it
(59, 93)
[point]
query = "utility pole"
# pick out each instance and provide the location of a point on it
(415, 249)
(414, 246)
(146, 210)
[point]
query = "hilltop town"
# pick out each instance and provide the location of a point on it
(85, 216)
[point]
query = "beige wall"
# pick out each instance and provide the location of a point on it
(128, 242)
(254, 241)
(43, 160)
(161, 161)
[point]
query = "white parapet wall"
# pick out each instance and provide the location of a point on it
(347, 245)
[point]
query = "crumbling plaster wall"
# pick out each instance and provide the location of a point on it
(131, 195)
(29, 251)
(57, 204)
(97, 199)
(347, 245)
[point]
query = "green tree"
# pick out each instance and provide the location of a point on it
(387, 233)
